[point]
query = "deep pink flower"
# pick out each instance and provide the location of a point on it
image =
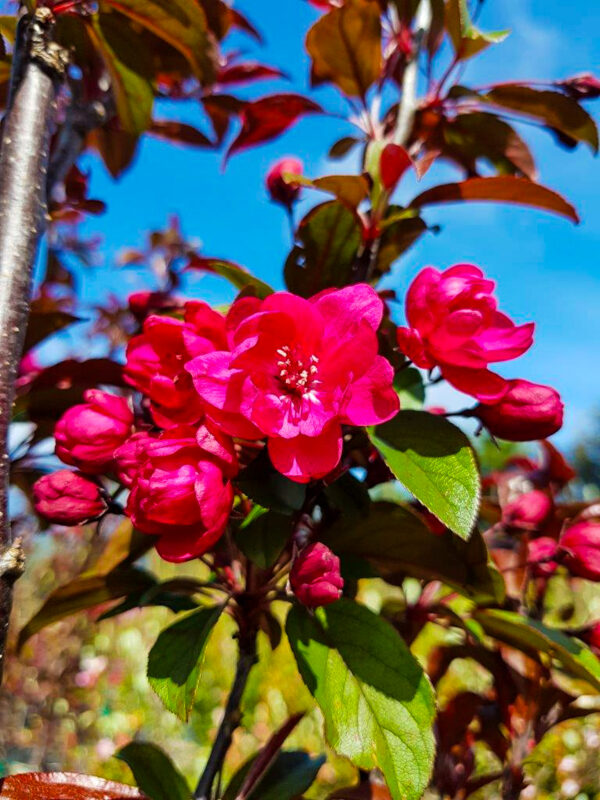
(68, 498)
(526, 412)
(580, 546)
(156, 361)
(454, 324)
(181, 491)
(529, 510)
(298, 370)
(129, 456)
(315, 576)
(88, 434)
(281, 192)
(542, 556)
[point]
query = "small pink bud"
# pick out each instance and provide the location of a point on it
(581, 548)
(315, 577)
(68, 498)
(540, 556)
(281, 192)
(582, 87)
(529, 510)
(88, 434)
(527, 411)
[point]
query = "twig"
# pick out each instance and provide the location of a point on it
(231, 717)
(39, 65)
(408, 104)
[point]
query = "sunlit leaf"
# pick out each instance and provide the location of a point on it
(434, 460)
(377, 703)
(64, 786)
(236, 275)
(466, 38)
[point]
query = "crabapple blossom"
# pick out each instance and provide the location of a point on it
(315, 576)
(527, 411)
(68, 498)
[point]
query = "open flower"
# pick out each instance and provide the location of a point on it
(156, 361)
(181, 491)
(454, 324)
(299, 370)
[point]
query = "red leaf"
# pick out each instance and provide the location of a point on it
(505, 189)
(64, 786)
(242, 23)
(179, 132)
(246, 72)
(393, 164)
(270, 116)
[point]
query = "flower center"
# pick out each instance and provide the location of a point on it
(297, 373)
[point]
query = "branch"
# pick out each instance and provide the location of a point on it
(408, 102)
(231, 717)
(39, 63)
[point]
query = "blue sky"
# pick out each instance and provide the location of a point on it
(546, 268)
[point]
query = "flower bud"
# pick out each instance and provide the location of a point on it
(580, 546)
(526, 412)
(88, 434)
(529, 510)
(315, 576)
(581, 87)
(281, 192)
(68, 498)
(541, 555)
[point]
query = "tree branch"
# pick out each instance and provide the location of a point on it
(39, 63)
(408, 102)
(231, 717)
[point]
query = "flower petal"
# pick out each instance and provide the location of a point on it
(307, 457)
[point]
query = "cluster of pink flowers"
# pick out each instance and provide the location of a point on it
(454, 324)
(285, 370)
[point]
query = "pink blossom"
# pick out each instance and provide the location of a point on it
(529, 510)
(181, 491)
(130, 455)
(299, 370)
(88, 434)
(580, 546)
(280, 190)
(315, 576)
(68, 498)
(454, 324)
(542, 556)
(527, 411)
(156, 361)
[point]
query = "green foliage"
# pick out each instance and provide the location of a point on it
(154, 772)
(289, 776)
(263, 535)
(377, 702)
(434, 460)
(175, 661)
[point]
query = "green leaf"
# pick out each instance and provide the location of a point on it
(466, 38)
(290, 775)
(409, 385)
(175, 661)
(236, 275)
(377, 703)
(397, 543)
(129, 69)
(350, 190)
(396, 238)
(269, 488)
(533, 637)
(553, 108)
(154, 772)
(329, 241)
(345, 47)
(263, 537)
(501, 189)
(180, 23)
(434, 460)
(86, 591)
